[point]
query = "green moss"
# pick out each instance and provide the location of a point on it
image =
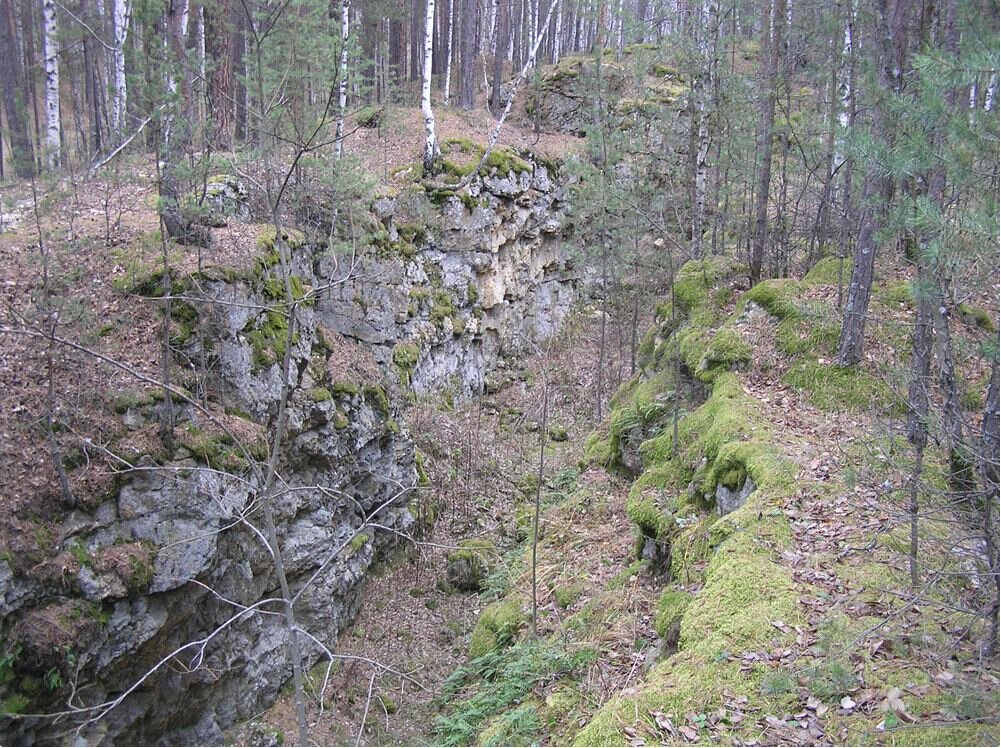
(320, 395)
(127, 400)
(140, 568)
(349, 389)
(405, 355)
(378, 394)
(294, 239)
(358, 542)
(816, 335)
(727, 350)
(497, 626)
(979, 318)
(218, 452)
(185, 318)
(671, 606)
(443, 307)
(832, 387)
(826, 271)
(506, 161)
(652, 521)
(744, 592)
(17, 703)
(567, 595)
(340, 420)
(267, 340)
(477, 555)
(696, 278)
(777, 297)
(597, 450)
(898, 294)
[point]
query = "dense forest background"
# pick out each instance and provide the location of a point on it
(835, 163)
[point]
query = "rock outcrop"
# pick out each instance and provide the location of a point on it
(161, 607)
(449, 300)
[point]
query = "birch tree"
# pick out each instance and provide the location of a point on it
(431, 140)
(449, 52)
(52, 123)
(121, 14)
(342, 78)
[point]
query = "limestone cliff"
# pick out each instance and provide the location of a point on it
(174, 554)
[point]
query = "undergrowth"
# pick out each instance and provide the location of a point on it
(499, 680)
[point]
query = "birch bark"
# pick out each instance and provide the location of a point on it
(52, 121)
(431, 139)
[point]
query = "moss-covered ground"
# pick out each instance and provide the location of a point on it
(790, 620)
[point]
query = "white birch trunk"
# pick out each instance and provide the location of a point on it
(845, 87)
(120, 28)
(449, 52)
(342, 78)
(52, 123)
(431, 141)
(557, 32)
(620, 37)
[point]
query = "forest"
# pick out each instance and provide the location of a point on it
(500, 372)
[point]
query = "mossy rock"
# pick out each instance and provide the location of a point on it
(725, 352)
(497, 626)
(671, 606)
(825, 272)
(777, 296)
(979, 318)
(558, 434)
(268, 335)
(468, 566)
(294, 239)
(744, 591)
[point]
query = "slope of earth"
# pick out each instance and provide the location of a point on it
(763, 597)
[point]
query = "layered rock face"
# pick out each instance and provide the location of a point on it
(178, 555)
(490, 278)
(162, 604)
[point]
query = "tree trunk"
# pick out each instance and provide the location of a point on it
(239, 43)
(430, 140)
(30, 63)
(467, 55)
(772, 22)
(14, 103)
(500, 53)
(220, 94)
(449, 52)
(53, 131)
(877, 190)
(990, 443)
(917, 404)
(121, 13)
(342, 78)
(92, 89)
(415, 39)
(176, 137)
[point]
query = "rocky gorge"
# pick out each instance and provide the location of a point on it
(159, 611)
